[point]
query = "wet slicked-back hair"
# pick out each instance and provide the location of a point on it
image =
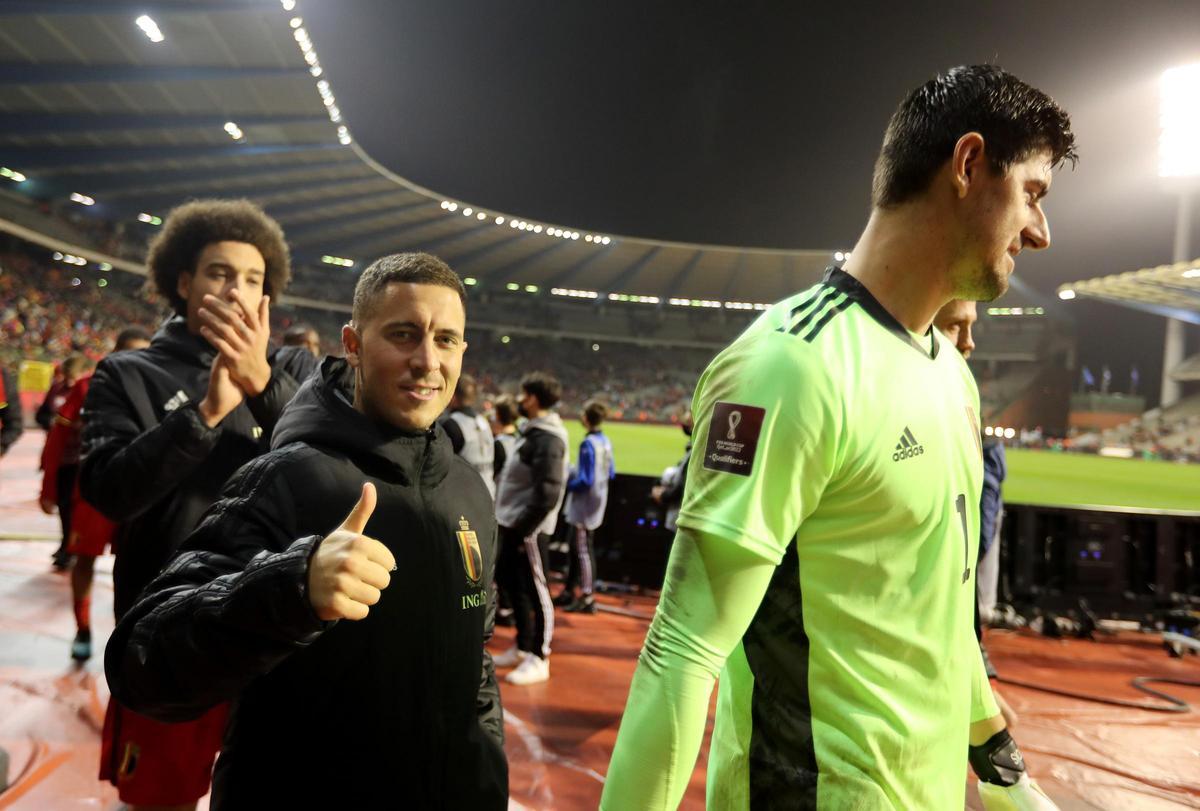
(1015, 120)
(402, 268)
(192, 226)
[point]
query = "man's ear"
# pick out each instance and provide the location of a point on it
(968, 160)
(352, 344)
(183, 285)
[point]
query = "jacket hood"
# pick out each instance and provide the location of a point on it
(549, 422)
(322, 415)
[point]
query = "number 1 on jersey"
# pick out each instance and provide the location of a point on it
(960, 504)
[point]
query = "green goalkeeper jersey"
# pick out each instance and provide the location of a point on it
(838, 445)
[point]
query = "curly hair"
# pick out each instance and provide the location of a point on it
(1015, 120)
(192, 226)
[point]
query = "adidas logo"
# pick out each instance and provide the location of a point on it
(175, 402)
(907, 447)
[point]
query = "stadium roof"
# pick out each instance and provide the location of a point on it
(1167, 290)
(140, 105)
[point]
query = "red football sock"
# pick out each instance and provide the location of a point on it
(83, 613)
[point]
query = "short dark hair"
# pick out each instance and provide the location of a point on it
(466, 390)
(595, 412)
(192, 226)
(544, 386)
(297, 335)
(128, 335)
(403, 268)
(505, 409)
(1015, 120)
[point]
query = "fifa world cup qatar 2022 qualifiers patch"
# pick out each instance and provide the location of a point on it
(733, 438)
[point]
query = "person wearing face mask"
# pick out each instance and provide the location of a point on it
(339, 590)
(163, 428)
(530, 493)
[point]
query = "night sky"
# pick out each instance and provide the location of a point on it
(757, 124)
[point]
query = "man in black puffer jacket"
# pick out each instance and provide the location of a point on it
(164, 429)
(352, 688)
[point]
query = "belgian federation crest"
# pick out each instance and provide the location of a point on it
(468, 545)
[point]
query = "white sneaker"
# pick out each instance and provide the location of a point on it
(1024, 795)
(510, 658)
(532, 670)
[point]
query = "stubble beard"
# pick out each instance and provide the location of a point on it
(987, 284)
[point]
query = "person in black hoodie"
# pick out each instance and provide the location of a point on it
(353, 687)
(165, 427)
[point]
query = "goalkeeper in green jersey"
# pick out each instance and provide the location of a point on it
(824, 561)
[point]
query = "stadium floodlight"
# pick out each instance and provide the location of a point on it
(288, 5)
(82, 199)
(12, 174)
(1179, 140)
(1067, 294)
(149, 28)
(234, 131)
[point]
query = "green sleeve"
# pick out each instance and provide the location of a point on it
(712, 592)
(767, 420)
(983, 701)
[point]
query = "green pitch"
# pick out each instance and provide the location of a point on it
(1034, 477)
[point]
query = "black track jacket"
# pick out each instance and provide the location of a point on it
(149, 461)
(398, 710)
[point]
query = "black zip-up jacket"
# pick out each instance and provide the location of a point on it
(149, 461)
(398, 710)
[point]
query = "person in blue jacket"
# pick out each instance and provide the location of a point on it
(587, 498)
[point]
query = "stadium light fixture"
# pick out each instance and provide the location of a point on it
(337, 260)
(149, 219)
(234, 131)
(1179, 117)
(499, 221)
(288, 5)
(512, 286)
(12, 174)
(149, 28)
(82, 199)
(1066, 295)
(470, 281)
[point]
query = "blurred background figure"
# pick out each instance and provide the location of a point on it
(66, 466)
(669, 491)
(587, 498)
(300, 354)
(469, 431)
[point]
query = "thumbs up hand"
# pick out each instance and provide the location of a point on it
(349, 570)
